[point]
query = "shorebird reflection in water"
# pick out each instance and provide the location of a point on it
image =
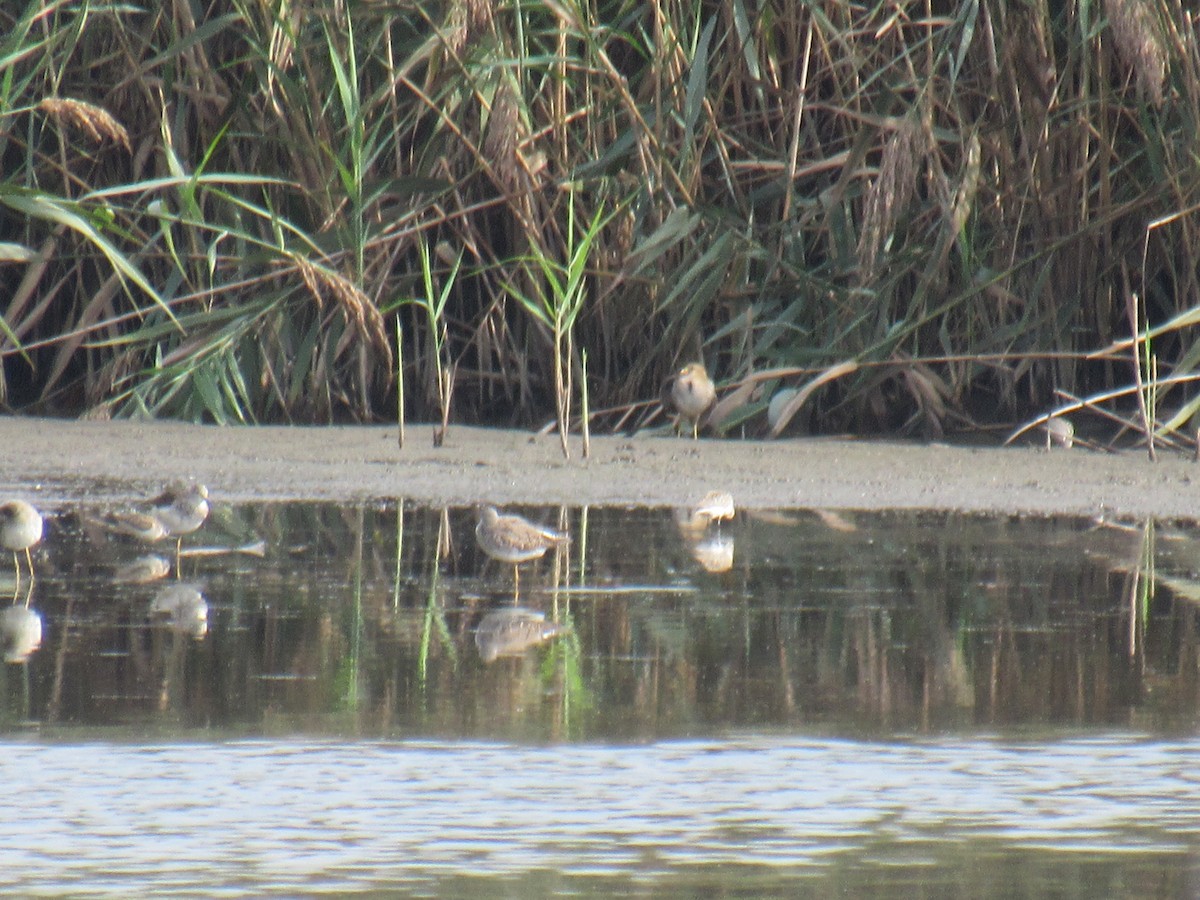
(142, 570)
(20, 632)
(713, 551)
(512, 630)
(690, 394)
(20, 529)
(182, 609)
(511, 539)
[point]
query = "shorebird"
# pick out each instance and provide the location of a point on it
(1059, 432)
(141, 525)
(512, 539)
(178, 510)
(20, 529)
(181, 508)
(715, 506)
(712, 550)
(690, 394)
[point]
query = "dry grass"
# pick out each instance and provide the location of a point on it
(950, 205)
(95, 121)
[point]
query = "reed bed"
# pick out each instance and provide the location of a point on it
(923, 216)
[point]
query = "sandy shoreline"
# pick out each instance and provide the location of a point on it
(63, 462)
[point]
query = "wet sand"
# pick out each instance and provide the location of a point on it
(58, 462)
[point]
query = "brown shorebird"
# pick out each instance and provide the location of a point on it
(20, 529)
(181, 508)
(178, 510)
(141, 525)
(715, 506)
(512, 630)
(690, 394)
(512, 539)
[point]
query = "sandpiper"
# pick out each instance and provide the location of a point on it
(512, 539)
(1059, 433)
(690, 394)
(141, 525)
(20, 529)
(181, 508)
(178, 510)
(715, 506)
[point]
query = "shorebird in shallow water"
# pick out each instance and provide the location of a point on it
(715, 506)
(690, 394)
(179, 510)
(512, 539)
(182, 508)
(141, 525)
(20, 529)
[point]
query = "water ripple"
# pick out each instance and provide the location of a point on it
(109, 818)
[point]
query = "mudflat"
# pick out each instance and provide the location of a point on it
(63, 462)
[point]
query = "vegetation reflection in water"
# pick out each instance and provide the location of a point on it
(385, 620)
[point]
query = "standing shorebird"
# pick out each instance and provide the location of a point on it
(181, 509)
(20, 529)
(512, 539)
(715, 506)
(690, 394)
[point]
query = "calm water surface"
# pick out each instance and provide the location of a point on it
(794, 703)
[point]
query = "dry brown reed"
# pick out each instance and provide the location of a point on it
(95, 121)
(360, 312)
(1140, 43)
(944, 196)
(888, 196)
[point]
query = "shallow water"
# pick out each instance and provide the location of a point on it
(879, 705)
